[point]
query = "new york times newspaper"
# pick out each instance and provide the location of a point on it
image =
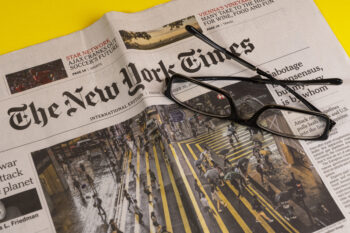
(90, 143)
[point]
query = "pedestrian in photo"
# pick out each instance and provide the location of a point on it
(119, 174)
(238, 186)
(153, 178)
(197, 188)
(205, 205)
(259, 210)
(227, 162)
(260, 170)
(221, 175)
(208, 125)
(77, 186)
(194, 132)
(230, 139)
(232, 132)
(257, 138)
(266, 155)
(155, 222)
(128, 198)
(82, 167)
(132, 168)
(164, 230)
(114, 226)
(138, 212)
(192, 125)
(148, 192)
(212, 175)
(140, 141)
(196, 118)
(250, 131)
(208, 155)
(98, 205)
(114, 168)
(91, 182)
(198, 165)
(215, 197)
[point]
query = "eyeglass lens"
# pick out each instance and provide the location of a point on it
(299, 124)
(200, 98)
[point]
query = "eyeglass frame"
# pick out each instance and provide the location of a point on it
(252, 121)
(284, 83)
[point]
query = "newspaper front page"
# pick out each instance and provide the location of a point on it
(90, 143)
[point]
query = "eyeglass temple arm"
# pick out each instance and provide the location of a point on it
(205, 39)
(258, 80)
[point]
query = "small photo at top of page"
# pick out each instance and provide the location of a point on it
(36, 76)
(159, 37)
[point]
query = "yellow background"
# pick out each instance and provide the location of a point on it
(28, 22)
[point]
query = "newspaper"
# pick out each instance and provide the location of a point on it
(90, 143)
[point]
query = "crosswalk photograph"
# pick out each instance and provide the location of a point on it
(183, 173)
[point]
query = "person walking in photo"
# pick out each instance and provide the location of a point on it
(198, 165)
(260, 170)
(132, 168)
(138, 212)
(128, 198)
(265, 153)
(232, 132)
(155, 222)
(221, 175)
(215, 196)
(114, 226)
(77, 186)
(147, 191)
(205, 205)
(91, 182)
(208, 125)
(230, 139)
(154, 181)
(98, 205)
(259, 210)
(227, 162)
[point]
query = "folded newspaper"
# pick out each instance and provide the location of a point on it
(90, 143)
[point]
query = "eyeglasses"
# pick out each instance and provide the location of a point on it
(309, 124)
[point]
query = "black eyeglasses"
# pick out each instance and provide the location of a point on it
(271, 118)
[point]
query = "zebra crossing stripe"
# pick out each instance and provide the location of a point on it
(224, 142)
(274, 213)
(247, 204)
(125, 204)
(231, 209)
(271, 210)
(263, 223)
(162, 192)
(247, 146)
(150, 205)
(248, 152)
(178, 200)
(137, 226)
(203, 137)
(239, 132)
(189, 191)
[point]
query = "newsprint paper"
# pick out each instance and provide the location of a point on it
(89, 142)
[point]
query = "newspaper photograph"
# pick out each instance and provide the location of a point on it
(98, 137)
(153, 39)
(36, 76)
(129, 174)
